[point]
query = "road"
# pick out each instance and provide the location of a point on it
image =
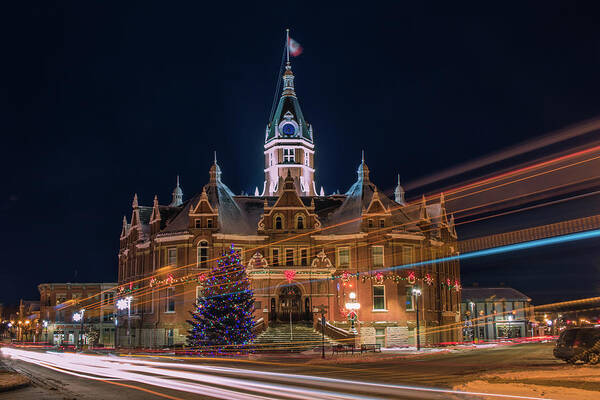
(68, 375)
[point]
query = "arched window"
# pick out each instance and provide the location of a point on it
(279, 222)
(300, 222)
(202, 254)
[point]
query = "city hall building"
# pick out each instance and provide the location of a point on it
(304, 250)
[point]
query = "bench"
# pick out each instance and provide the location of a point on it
(375, 348)
(342, 348)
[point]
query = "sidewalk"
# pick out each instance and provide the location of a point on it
(10, 380)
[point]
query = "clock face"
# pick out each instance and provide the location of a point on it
(288, 129)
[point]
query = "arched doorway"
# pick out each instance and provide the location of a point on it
(290, 301)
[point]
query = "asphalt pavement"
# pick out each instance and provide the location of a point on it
(76, 376)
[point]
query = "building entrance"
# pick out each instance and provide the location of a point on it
(290, 301)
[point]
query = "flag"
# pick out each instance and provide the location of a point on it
(294, 47)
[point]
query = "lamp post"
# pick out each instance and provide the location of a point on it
(45, 325)
(125, 303)
(78, 317)
(417, 292)
(352, 306)
(473, 322)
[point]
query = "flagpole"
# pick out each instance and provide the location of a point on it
(287, 44)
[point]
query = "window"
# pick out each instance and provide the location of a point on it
(379, 297)
(410, 299)
(381, 223)
(279, 222)
(199, 293)
(270, 159)
(370, 223)
(172, 256)
(202, 254)
(289, 257)
(380, 336)
(300, 222)
(377, 252)
(343, 256)
(288, 155)
(304, 257)
(209, 223)
(407, 255)
(170, 303)
(275, 257)
(305, 158)
(198, 223)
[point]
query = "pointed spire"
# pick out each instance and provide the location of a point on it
(399, 193)
(134, 204)
(256, 192)
(215, 172)
(177, 199)
(322, 192)
(363, 170)
(125, 227)
(155, 211)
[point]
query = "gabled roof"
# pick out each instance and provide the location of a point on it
(492, 294)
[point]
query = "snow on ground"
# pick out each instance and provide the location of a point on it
(565, 382)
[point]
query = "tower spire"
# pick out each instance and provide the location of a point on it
(287, 45)
(177, 195)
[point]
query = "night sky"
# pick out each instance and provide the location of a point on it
(102, 100)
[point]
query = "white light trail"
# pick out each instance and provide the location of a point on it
(257, 385)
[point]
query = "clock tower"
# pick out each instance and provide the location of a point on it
(289, 144)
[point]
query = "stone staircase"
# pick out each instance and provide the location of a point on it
(304, 337)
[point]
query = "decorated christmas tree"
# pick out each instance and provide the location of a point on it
(223, 314)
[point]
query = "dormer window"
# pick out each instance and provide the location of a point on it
(278, 222)
(288, 156)
(300, 222)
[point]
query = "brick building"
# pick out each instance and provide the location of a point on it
(331, 245)
(60, 301)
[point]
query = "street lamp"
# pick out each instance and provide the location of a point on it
(352, 306)
(45, 325)
(78, 317)
(122, 304)
(417, 292)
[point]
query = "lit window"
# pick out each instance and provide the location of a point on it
(199, 294)
(278, 222)
(304, 257)
(170, 303)
(172, 256)
(202, 254)
(275, 257)
(377, 256)
(410, 299)
(380, 336)
(289, 257)
(379, 297)
(343, 254)
(288, 155)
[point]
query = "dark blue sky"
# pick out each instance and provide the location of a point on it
(101, 100)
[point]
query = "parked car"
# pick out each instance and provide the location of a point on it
(579, 344)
